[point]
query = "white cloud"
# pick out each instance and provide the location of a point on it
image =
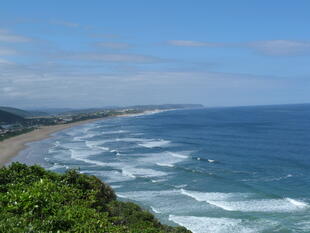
(267, 47)
(114, 57)
(6, 36)
(281, 47)
(191, 43)
(65, 23)
(7, 51)
(4, 61)
(20, 85)
(113, 45)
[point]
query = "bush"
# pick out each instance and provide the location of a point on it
(35, 200)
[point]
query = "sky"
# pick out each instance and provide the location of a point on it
(81, 54)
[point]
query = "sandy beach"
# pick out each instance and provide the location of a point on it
(10, 147)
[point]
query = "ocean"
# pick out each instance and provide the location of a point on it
(217, 170)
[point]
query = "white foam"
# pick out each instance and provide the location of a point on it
(112, 176)
(166, 159)
(237, 202)
(96, 145)
(214, 196)
(121, 195)
(116, 186)
(155, 210)
(264, 205)
(142, 172)
(130, 140)
(158, 180)
(155, 143)
(114, 132)
(127, 173)
(149, 195)
(211, 160)
(82, 138)
(217, 225)
(178, 155)
(297, 203)
(57, 166)
(227, 201)
(165, 164)
(82, 155)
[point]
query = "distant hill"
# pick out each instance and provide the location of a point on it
(10, 118)
(16, 111)
(64, 111)
(22, 113)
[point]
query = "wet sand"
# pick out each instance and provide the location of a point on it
(10, 147)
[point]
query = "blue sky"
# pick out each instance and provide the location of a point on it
(99, 53)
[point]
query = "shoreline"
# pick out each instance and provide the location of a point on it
(11, 147)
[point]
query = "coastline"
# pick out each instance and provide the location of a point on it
(11, 147)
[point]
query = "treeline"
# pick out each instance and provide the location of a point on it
(35, 200)
(15, 133)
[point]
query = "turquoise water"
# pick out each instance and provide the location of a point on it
(242, 169)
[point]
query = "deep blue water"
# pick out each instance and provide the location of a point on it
(241, 169)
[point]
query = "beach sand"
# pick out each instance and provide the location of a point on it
(10, 147)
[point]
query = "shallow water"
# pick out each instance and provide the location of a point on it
(243, 169)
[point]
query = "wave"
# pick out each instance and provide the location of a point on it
(264, 205)
(205, 160)
(130, 140)
(163, 159)
(82, 138)
(221, 225)
(211, 196)
(165, 164)
(82, 155)
(57, 166)
(155, 210)
(155, 143)
(116, 186)
(142, 172)
(113, 176)
(114, 132)
(238, 202)
(300, 204)
(96, 145)
(177, 155)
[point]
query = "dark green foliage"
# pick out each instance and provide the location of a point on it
(15, 133)
(35, 200)
(10, 118)
(16, 111)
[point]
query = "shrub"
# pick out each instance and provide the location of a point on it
(35, 200)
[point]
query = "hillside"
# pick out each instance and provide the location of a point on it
(23, 113)
(10, 118)
(35, 200)
(16, 111)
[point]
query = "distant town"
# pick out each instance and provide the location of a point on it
(15, 121)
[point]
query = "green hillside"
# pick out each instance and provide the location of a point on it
(10, 118)
(35, 200)
(23, 113)
(16, 111)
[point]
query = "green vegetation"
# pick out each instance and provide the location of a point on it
(15, 133)
(9, 118)
(16, 111)
(35, 200)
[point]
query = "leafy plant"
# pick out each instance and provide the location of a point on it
(35, 200)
